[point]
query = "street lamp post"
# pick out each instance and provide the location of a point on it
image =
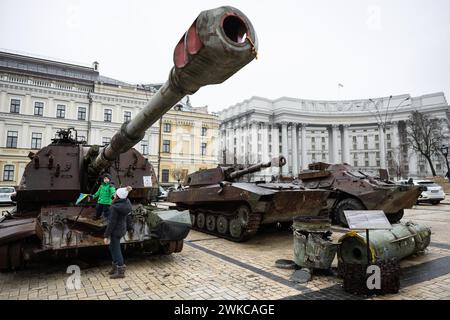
(444, 150)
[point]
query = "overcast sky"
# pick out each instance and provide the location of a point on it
(374, 48)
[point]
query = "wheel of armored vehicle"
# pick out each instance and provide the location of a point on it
(169, 247)
(346, 204)
(200, 220)
(210, 222)
(395, 217)
(222, 224)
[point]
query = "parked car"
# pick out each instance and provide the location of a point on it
(434, 193)
(162, 196)
(5, 195)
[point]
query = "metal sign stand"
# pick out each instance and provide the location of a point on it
(367, 220)
(368, 247)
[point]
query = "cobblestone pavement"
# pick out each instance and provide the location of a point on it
(213, 268)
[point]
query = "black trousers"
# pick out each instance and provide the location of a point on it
(116, 251)
(102, 208)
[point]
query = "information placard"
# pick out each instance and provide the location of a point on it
(367, 219)
(147, 181)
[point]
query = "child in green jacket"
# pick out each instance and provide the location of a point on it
(104, 195)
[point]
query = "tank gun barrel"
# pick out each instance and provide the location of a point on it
(218, 44)
(275, 162)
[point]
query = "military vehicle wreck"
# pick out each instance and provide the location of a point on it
(222, 205)
(218, 44)
(355, 190)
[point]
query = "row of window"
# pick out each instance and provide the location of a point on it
(167, 128)
(39, 109)
(12, 137)
(61, 111)
(36, 142)
(166, 147)
(61, 114)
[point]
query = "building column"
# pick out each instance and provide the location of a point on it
(330, 144)
(27, 107)
(382, 148)
(2, 134)
(284, 146)
(294, 149)
(345, 151)
(275, 146)
(254, 143)
(228, 148)
(238, 144)
(335, 129)
(4, 106)
(304, 146)
(245, 142)
(395, 139)
(25, 137)
(265, 142)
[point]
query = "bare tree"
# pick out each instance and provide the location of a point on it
(424, 135)
(179, 174)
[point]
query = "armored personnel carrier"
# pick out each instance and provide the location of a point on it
(221, 204)
(355, 190)
(47, 220)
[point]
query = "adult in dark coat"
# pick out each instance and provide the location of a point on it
(116, 229)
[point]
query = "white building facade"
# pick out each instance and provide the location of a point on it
(39, 96)
(367, 134)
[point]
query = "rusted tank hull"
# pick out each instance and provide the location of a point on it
(391, 200)
(357, 191)
(73, 229)
(216, 209)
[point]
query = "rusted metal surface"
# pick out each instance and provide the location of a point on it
(17, 231)
(357, 191)
(222, 205)
(74, 227)
(218, 44)
(313, 247)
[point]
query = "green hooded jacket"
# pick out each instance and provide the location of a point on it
(105, 193)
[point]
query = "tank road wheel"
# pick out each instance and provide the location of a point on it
(168, 247)
(395, 217)
(210, 222)
(222, 225)
(200, 221)
(179, 246)
(192, 215)
(236, 228)
(346, 204)
(239, 223)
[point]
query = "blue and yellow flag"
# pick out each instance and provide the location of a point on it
(81, 197)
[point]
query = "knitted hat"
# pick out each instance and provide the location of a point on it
(122, 193)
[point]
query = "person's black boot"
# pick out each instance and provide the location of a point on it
(120, 273)
(113, 269)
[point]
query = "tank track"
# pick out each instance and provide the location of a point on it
(249, 230)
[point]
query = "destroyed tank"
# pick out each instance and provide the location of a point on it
(355, 190)
(47, 220)
(221, 204)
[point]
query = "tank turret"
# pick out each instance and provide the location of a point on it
(276, 162)
(230, 174)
